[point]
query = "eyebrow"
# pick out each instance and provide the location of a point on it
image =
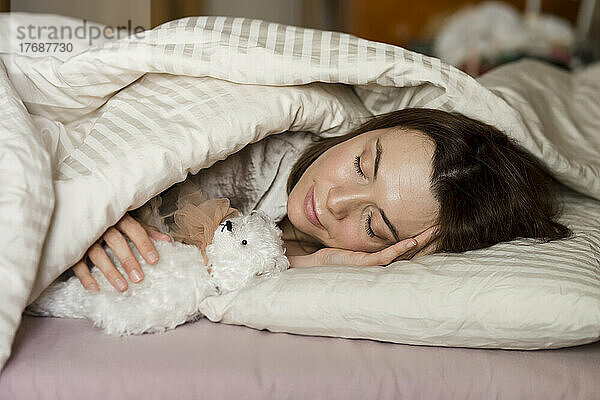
(378, 151)
(377, 158)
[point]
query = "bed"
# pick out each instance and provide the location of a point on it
(69, 359)
(112, 127)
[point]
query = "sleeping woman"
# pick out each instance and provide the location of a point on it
(401, 185)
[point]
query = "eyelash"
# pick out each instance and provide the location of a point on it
(369, 219)
(368, 228)
(357, 167)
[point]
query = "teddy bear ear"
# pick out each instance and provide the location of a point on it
(268, 220)
(260, 214)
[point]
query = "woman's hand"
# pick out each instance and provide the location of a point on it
(403, 250)
(140, 234)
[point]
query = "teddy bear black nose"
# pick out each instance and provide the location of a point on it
(228, 225)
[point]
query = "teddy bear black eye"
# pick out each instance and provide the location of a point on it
(244, 242)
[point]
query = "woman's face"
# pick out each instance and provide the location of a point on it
(368, 192)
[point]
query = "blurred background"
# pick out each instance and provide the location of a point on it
(472, 35)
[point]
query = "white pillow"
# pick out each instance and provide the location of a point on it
(518, 295)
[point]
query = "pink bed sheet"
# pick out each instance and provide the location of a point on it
(70, 359)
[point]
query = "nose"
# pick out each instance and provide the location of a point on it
(341, 200)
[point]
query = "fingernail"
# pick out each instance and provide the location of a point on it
(411, 244)
(93, 286)
(152, 256)
(136, 276)
(121, 285)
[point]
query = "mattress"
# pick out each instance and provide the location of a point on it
(70, 359)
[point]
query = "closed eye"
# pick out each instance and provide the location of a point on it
(368, 227)
(368, 221)
(358, 168)
(367, 224)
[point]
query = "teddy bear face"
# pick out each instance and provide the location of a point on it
(244, 248)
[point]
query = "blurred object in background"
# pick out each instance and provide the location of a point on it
(325, 14)
(476, 35)
(168, 10)
(317, 14)
(477, 38)
(287, 12)
(403, 22)
(588, 33)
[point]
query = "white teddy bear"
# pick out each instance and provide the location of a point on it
(243, 248)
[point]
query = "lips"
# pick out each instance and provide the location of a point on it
(310, 209)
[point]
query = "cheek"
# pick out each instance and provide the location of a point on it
(351, 237)
(295, 205)
(332, 165)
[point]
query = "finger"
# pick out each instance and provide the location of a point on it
(390, 253)
(82, 272)
(154, 233)
(118, 244)
(427, 234)
(424, 245)
(138, 235)
(429, 248)
(101, 260)
(426, 238)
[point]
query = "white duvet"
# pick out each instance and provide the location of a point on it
(86, 139)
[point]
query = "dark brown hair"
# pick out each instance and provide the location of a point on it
(489, 188)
